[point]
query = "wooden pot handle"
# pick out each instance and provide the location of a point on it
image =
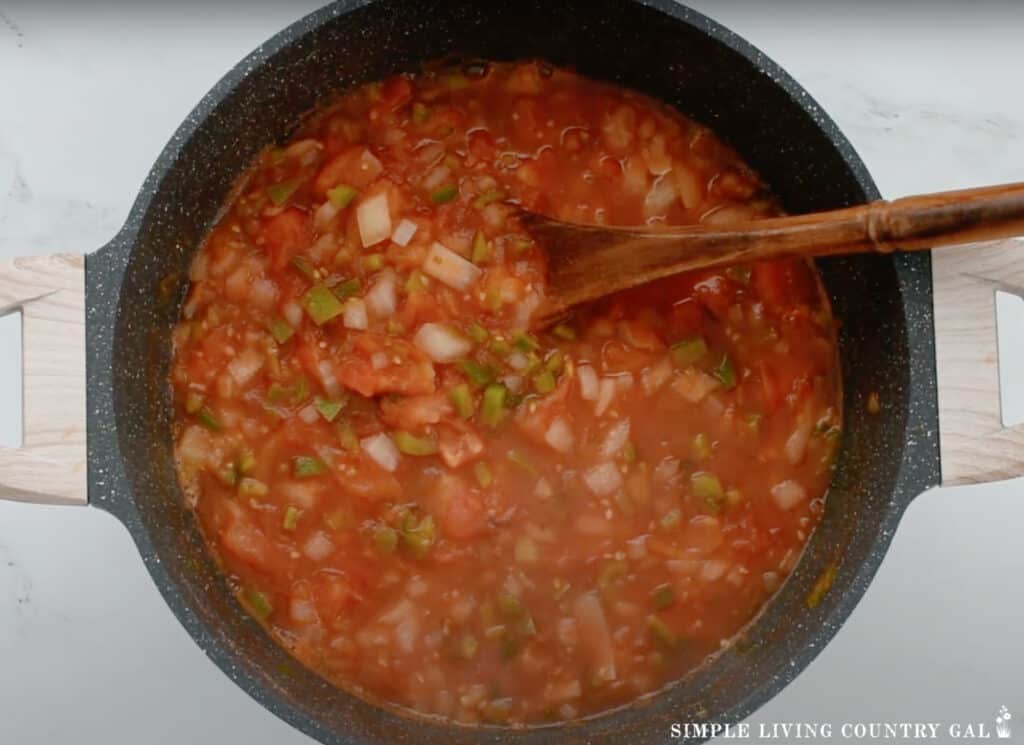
(974, 444)
(50, 466)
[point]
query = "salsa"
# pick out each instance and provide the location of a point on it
(433, 506)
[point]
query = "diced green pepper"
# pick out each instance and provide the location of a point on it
(661, 631)
(525, 342)
(373, 262)
(725, 373)
(321, 304)
(481, 248)
(501, 347)
(492, 409)
(420, 113)
(701, 446)
(385, 538)
(347, 437)
(246, 462)
(708, 488)
(663, 596)
(444, 194)
(329, 410)
(344, 290)
(304, 267)
(477, 373)
(483, 474)
(258, 603)
(564, 332)
(208, 419)
(477, 333)
(417, 282)
(193, 402)
(341, 195)
(229, 475)
(305, 466)
(462, 400)
(252, 488)
(410, 444)
(688, 352)
(291, 518)
(419, 537)
(487, 197)
(280, 330)
(555, 361)
(544, 382)
(280, 193)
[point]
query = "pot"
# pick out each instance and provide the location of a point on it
(97, 338)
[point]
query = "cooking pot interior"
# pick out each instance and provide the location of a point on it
(136, 286)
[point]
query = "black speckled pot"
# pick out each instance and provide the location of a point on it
(136, 283)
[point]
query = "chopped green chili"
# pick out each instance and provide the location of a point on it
(282, 192)
(477, 373)
(417, 282)
(291, 518)
(544, 382)
(321, 304)
(258, 603)
(708, 488)
(246, 462)
(341, 195)
(385, 538)
(688, 352)
(462, 400)
(487, 197)
(725, 373)
(670, 519)
(329, 410)
(304, 267)
(348, 288)
(420, 113)
(701, 446)
(661, 631)
(525, 342)
(418, 537)
(280, 330)
(481, 251)
(444, 194)
(663, 596)
(492, 409)
(373, 262)
(564, 332)
(306, 466)
(347, 437)
(208, 419)
(252, 488)
(193, 402)
(483, 474)
(410, 444)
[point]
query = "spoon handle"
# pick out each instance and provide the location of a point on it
(586, 262)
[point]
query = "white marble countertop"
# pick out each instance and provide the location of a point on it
(930, 94)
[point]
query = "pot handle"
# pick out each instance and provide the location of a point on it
(50, 466)
(974, 445)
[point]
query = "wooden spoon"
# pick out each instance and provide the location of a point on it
(587, 262)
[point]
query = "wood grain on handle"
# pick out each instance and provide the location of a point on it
(974, 444)
(50, 466)
(586, 262)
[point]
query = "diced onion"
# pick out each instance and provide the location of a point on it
(616, 439)
(379, 360)
(796, 443)
(328, 380)
(404, 232)
(303, 611)
(603, 479)
(442, 343)
(606, 392)
(374, 219)
(302, 494)
(244, 367)
(292, 313)
(355, 315)
(559, 436)
(713, 570)
(694, 385)
(381, 450)
(543, 489)
(448, 267)
(588, 382)
(656, 376)
(517, 361)
(525, 309)
(436, 177)
(514, 383)
(788, 494)
(318, 547)
(263, 293)
(309, 414)
(595, 636)
(382, 299)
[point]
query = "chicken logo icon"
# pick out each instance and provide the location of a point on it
(1003, 722)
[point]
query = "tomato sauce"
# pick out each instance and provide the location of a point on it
(434, 507)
